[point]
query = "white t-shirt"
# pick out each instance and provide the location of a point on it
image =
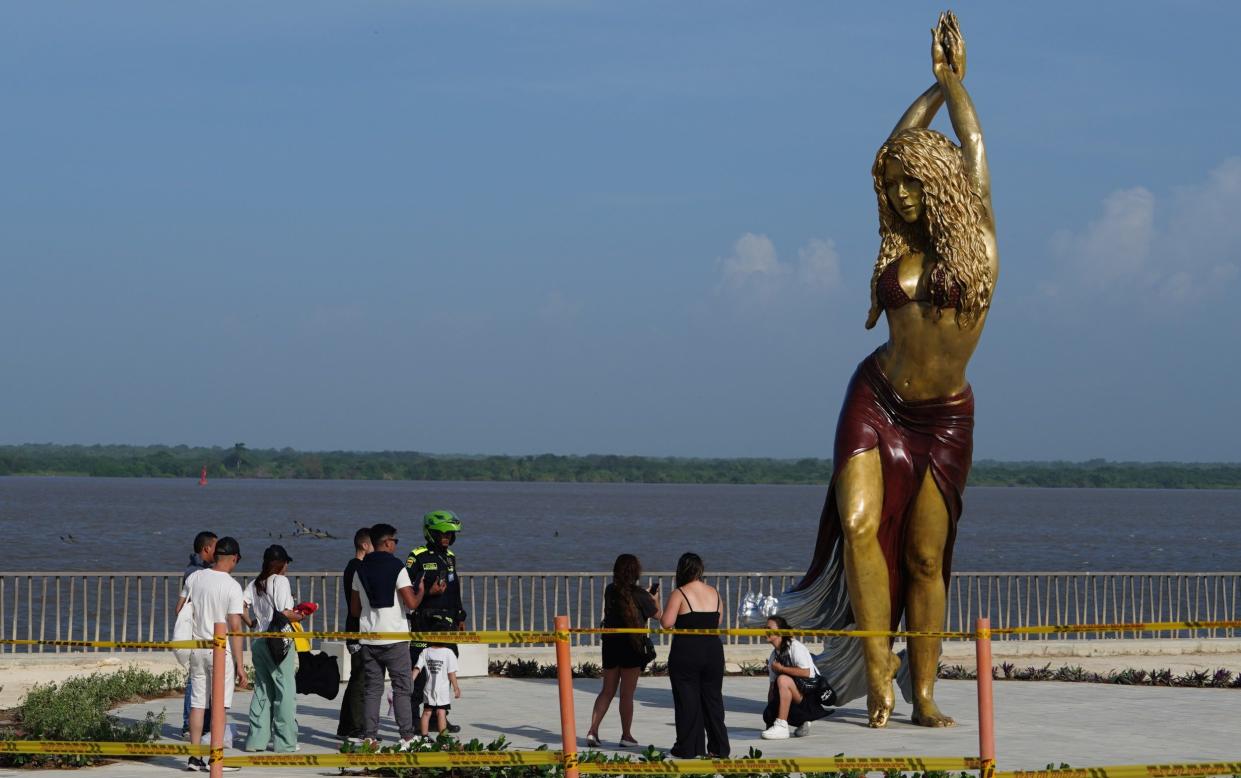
(216, 596)
(437, 662)
(278, 591)
(799, 656)
(391, 619)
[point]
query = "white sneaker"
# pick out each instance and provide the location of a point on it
(803, 730)
(779, 730)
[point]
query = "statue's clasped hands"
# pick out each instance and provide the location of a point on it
(947, 48)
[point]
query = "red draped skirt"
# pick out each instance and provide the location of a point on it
(911, 437)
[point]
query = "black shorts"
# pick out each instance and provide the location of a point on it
(444, 708)
(619, 651)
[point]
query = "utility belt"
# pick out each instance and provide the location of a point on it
(432, 620)
(429, 619)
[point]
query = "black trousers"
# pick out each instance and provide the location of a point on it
(352, 715)
(696, 671)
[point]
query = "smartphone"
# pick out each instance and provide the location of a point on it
(654, 588)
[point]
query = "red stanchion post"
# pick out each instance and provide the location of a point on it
(986, 703)
(219, 670)
(564, 678)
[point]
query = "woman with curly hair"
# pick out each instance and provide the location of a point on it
(904, 439)
(625, 604)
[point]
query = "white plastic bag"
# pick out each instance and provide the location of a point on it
(756, 607)
(184, 630)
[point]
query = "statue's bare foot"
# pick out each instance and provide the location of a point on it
(928, 714)
(881, 698)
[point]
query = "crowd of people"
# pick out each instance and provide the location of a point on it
(422, 593)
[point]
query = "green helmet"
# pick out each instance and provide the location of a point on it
(437, 522)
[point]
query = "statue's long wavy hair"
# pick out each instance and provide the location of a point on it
(954, 219)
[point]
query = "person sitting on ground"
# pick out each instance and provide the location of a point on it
(791, 698)
(625, 604)
(438, 665)
(382, 594)
(216, 597)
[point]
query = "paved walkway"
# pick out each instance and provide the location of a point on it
(1037, 723)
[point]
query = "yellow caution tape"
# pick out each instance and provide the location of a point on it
(1147, 626)
(101, 749)
(552, 636)
(800, 764)
(110, 643)
(487, 636)
(399, 759)
(1131, 771)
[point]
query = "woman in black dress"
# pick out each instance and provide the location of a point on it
(625, 604)
(696, 664)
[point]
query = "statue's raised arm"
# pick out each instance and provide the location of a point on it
(948, 64)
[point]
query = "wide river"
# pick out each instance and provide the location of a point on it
(141, 525)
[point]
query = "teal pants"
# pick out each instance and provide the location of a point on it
(273, 708)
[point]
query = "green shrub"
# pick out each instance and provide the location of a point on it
(77, 709)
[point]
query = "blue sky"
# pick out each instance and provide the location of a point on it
(620, 227)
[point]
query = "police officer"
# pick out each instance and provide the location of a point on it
(440, 610)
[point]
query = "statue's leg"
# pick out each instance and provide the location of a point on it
(925, 541)
(859, 500)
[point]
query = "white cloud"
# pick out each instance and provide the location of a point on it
(819, 264)
(1182, 248)
(754, 268)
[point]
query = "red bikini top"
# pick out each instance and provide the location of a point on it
(892, 295)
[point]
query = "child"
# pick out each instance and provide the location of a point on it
(440, 664)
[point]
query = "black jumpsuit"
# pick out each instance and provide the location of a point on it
(696, 671)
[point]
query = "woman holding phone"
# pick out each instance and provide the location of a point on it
(625, 604)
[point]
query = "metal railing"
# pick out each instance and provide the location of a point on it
(139, 606)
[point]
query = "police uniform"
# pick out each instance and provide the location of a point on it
(439, 612)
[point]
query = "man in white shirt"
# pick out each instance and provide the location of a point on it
(216, 597)
(382, 594)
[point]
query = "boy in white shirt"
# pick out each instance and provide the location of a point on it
(440, 664)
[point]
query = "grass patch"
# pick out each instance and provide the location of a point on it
(77, 709)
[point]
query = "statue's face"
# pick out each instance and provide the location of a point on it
(904, 192)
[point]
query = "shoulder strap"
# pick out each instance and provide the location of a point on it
(685, 597)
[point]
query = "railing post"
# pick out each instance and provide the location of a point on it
(218, 671)
(564, 678)
(986, 706)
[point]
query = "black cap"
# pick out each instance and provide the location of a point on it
(227, 546)
(275, 553)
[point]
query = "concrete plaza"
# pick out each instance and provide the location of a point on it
(1037, 723)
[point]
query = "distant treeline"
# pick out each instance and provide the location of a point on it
(238, 461)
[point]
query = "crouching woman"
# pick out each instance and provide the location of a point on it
(797, 694)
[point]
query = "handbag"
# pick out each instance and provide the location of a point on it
(278, 647)
(183, 629)
(648, 651)
(817, 689)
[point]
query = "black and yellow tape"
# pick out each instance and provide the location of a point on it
(101, 749)
(499, 637)
(665, 767)
(170, 644)
(800, 764)
(1186, 770)
(468, 636)
(399, 759)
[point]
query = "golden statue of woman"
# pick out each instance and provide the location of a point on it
(904, 439)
